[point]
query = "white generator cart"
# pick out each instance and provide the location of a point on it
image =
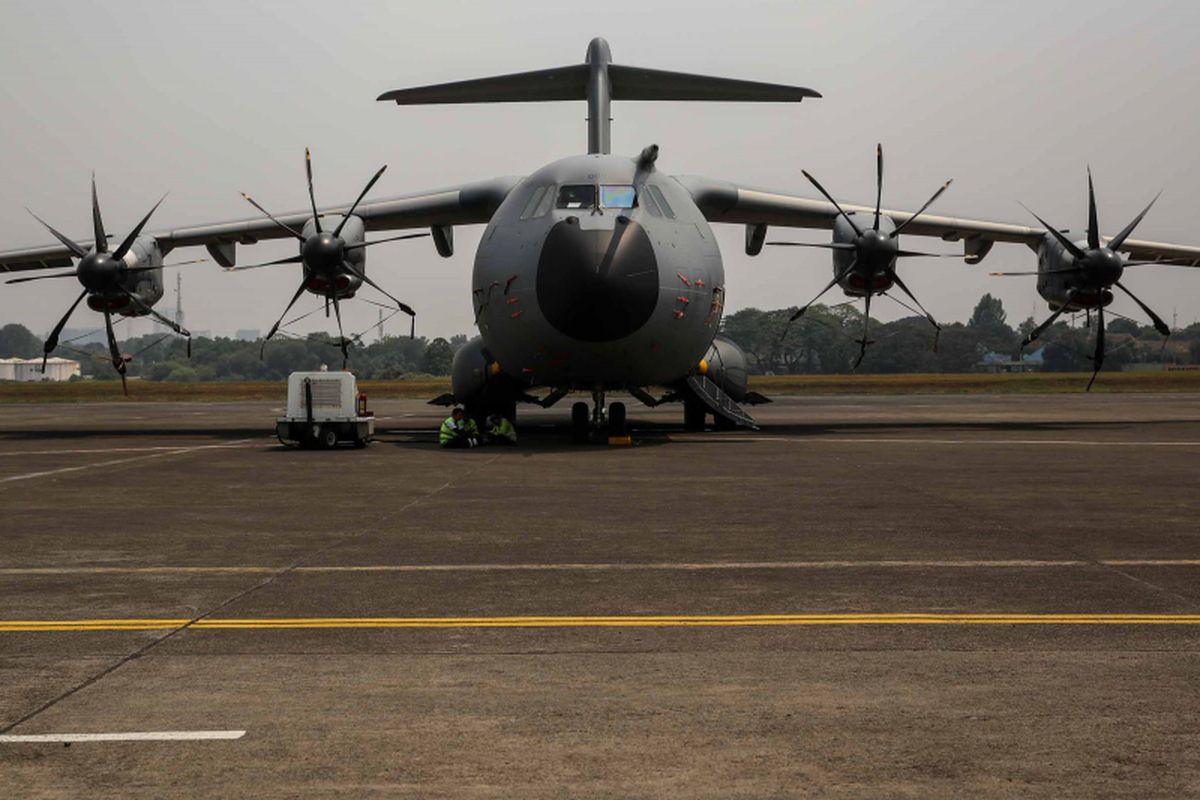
(325, 409)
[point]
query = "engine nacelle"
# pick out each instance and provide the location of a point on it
(1054, 282)
(354, 232)
(725, 365)
(864, 274)
(146, 284)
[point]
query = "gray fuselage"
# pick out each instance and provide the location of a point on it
(624, 288)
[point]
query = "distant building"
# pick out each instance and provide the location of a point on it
(999, 362)
(30, 369)
(247, 334)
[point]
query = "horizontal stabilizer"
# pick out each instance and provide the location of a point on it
(638, 83)
(559, 83)
(598, 81)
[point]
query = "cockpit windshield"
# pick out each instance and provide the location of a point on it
(577, 196)
(617, 196)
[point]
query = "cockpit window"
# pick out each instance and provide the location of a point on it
(662, 201)
(577, 196)
(617, 196)
(532, 204)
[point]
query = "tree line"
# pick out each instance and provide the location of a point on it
(822, 341)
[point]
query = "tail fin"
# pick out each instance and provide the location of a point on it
(598, 81)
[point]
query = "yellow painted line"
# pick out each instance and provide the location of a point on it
(639, 621)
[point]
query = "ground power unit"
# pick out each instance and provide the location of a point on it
(325, 409)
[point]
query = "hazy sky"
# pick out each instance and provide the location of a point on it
(206, 99)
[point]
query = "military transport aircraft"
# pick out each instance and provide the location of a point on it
(598, 272)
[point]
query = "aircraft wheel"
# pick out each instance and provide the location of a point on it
(329, 438)
(579, 423)
(694, 413)
(616, 419)
(723, 423)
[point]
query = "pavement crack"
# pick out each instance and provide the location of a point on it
(265, 582)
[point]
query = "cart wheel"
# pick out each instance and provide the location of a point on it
(329, 438)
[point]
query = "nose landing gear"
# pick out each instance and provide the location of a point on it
(597, 422)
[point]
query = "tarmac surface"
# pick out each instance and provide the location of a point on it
(869, 597)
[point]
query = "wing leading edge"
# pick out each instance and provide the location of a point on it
(722, 201)
(466, 204)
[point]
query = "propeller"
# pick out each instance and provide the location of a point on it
(875, 251)
(103, 275)
(1095, 269)
(323, 256)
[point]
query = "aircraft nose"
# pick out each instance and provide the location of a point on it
(597, 285)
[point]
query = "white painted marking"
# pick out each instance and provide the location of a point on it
(114, 462)
(133, 736)
(86, 451)
(916, 440)
(617, 567)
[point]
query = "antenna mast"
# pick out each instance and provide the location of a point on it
(179, 299)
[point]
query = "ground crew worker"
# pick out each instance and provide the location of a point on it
(459, 430)
(500, 430)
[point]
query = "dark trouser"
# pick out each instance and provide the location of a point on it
(461, 441)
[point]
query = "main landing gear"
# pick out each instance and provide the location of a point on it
(585, 424)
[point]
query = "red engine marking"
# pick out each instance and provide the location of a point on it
(686, 282)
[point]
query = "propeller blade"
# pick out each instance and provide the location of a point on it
(834, 246)
(70, 274)
(76, 250)
(312, 197)
(118, 360)
(896, 279)
(360, 245)
(337, 312)
(923, 208)
(97, 223)
(1038, 272)
(278, 322)
(915, 254)
(170, 323)
(153, 267)
(271, 217)
(338, 231)
(836, 280)
(829, 197)
(120, 252)
(1159, 325)
(362, 276)
(864, 341)
(52, 340)
(1057, 234)
(296, 259)
(1098, 358)
(878, 183)
(1040, 329)
(1115, 244)
(1093, 222)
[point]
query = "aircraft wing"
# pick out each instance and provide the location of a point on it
(466, 204)
(721, 201)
